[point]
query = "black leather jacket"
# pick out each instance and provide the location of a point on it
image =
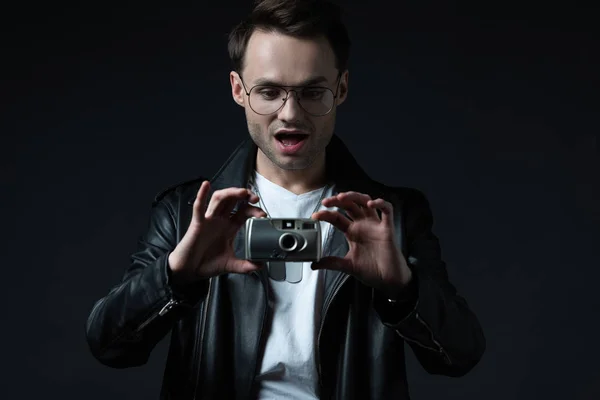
(218, 326)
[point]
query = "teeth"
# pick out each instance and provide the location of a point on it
(291, 140)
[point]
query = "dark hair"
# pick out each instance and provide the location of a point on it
(298, 18)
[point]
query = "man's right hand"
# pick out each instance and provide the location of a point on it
(206, 249)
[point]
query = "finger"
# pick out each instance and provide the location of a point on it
(362, 200)
(199, 206)
(223, 201)
(335, 218)
(247, 211)
(248, 198)
(359, 198)
(387, 210)
(352, 209)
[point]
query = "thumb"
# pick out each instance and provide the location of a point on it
(245, 266)
(333, 263)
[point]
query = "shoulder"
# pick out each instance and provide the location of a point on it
(185, 189)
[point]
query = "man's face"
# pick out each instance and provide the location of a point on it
(287, 61)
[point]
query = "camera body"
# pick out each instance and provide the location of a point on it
(283, 239)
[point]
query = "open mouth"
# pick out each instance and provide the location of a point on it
(290, 139)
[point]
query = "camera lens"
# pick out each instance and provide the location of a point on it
(287, 242)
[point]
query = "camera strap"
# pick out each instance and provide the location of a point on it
(291, 271)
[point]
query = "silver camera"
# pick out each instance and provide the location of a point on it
(283, 239)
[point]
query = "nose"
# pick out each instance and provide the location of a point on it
(291, 110)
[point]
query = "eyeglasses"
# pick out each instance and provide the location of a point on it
(268, 99)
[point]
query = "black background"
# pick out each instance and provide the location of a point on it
(490, 108)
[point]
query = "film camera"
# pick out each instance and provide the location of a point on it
(281, 239)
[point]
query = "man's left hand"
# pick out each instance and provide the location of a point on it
(373, 256)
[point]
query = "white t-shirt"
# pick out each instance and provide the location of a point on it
(288, 370)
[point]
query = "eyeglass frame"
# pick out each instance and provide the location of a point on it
(292, 89)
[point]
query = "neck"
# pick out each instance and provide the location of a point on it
(297, 181)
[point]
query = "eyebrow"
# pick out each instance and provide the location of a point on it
(308, 82)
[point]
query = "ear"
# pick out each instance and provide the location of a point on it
(343, 88)
(237, 89)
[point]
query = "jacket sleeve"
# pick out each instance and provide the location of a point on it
(444, 334)
(124, 326)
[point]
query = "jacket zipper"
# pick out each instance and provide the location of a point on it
(170, 304)
(439, 348)
(200, 340)
(318, 355)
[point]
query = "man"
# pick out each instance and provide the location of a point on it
(333, 329)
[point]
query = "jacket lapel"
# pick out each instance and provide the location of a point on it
(339, 248)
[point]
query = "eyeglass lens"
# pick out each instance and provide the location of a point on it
(269, 99)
